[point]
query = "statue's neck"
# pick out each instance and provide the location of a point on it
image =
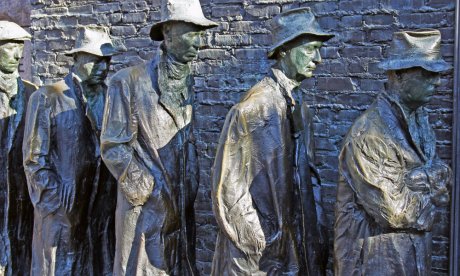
(9, 83)
(174, 69)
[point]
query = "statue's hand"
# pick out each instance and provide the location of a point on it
(440, 197)
(68, 196)
(440, 175)
(417, 180)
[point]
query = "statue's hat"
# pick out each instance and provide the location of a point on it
(12, 31)
(292, 24)
(188, 11)
(93, 40)
(420, 48)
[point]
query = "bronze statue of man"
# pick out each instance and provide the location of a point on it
(265, 189)
(147, 143)
(61, 158)
(16, 219)
(390, 177)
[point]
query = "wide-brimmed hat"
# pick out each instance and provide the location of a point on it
(420, 48)
(12, 31)
(188, 11)
(93, 40)
(292, 24)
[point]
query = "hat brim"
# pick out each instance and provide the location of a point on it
(156, 32)
(400, 64)
(323, 36)
(102, 52)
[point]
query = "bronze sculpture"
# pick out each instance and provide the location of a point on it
(265, 188)
(390, 177)
(16, 219)
(61, 158)
(102, 201)
(147, 143)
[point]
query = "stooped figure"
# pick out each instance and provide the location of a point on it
(265, 189)
(390, 177)
(16, 210)
(62, 160)
(147, 143)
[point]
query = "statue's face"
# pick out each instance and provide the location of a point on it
(417, 86)
(182, 40)
(90, 68)
(303, 58)
(10, 56)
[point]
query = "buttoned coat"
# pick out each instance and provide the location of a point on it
(16, 210)
(147, 143)
(60, 153)
(267, 208)
(383, 218)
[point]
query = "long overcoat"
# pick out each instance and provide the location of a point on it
(16, 210)
(60, 156)
(383, 218)
(268, 212)
(147, 144)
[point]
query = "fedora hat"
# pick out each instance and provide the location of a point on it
(93, 40)
(12, 31)
(420, 48)
(292, 24)
(188, 11)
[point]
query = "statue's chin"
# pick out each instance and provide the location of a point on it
(9, 70)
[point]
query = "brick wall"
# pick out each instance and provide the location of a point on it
(235, 58)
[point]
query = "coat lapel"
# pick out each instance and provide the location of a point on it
(18, 104)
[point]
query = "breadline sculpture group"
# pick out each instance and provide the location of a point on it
(99, 176)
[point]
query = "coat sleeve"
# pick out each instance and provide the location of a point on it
(118, 139)
(375, 170)
(42, 180)
(231, 180)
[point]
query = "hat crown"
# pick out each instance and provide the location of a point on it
(12, 31)
(425, 44)
(93, 40)
(188, 11)
(419, 48)
(289, 25)
(181, 10)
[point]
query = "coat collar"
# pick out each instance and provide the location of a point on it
(393, 114)
(286, 85)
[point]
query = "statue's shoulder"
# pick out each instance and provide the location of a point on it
(29, 85)
(369, 123)
(50, 92)
(131, 73)
(257, 95)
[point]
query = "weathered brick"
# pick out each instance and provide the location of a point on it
(84, 9)
(246, 54)
(227, 11)
(136, 17)
(263, 12)
(123, 30)
(335, 84)
(379, 19)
